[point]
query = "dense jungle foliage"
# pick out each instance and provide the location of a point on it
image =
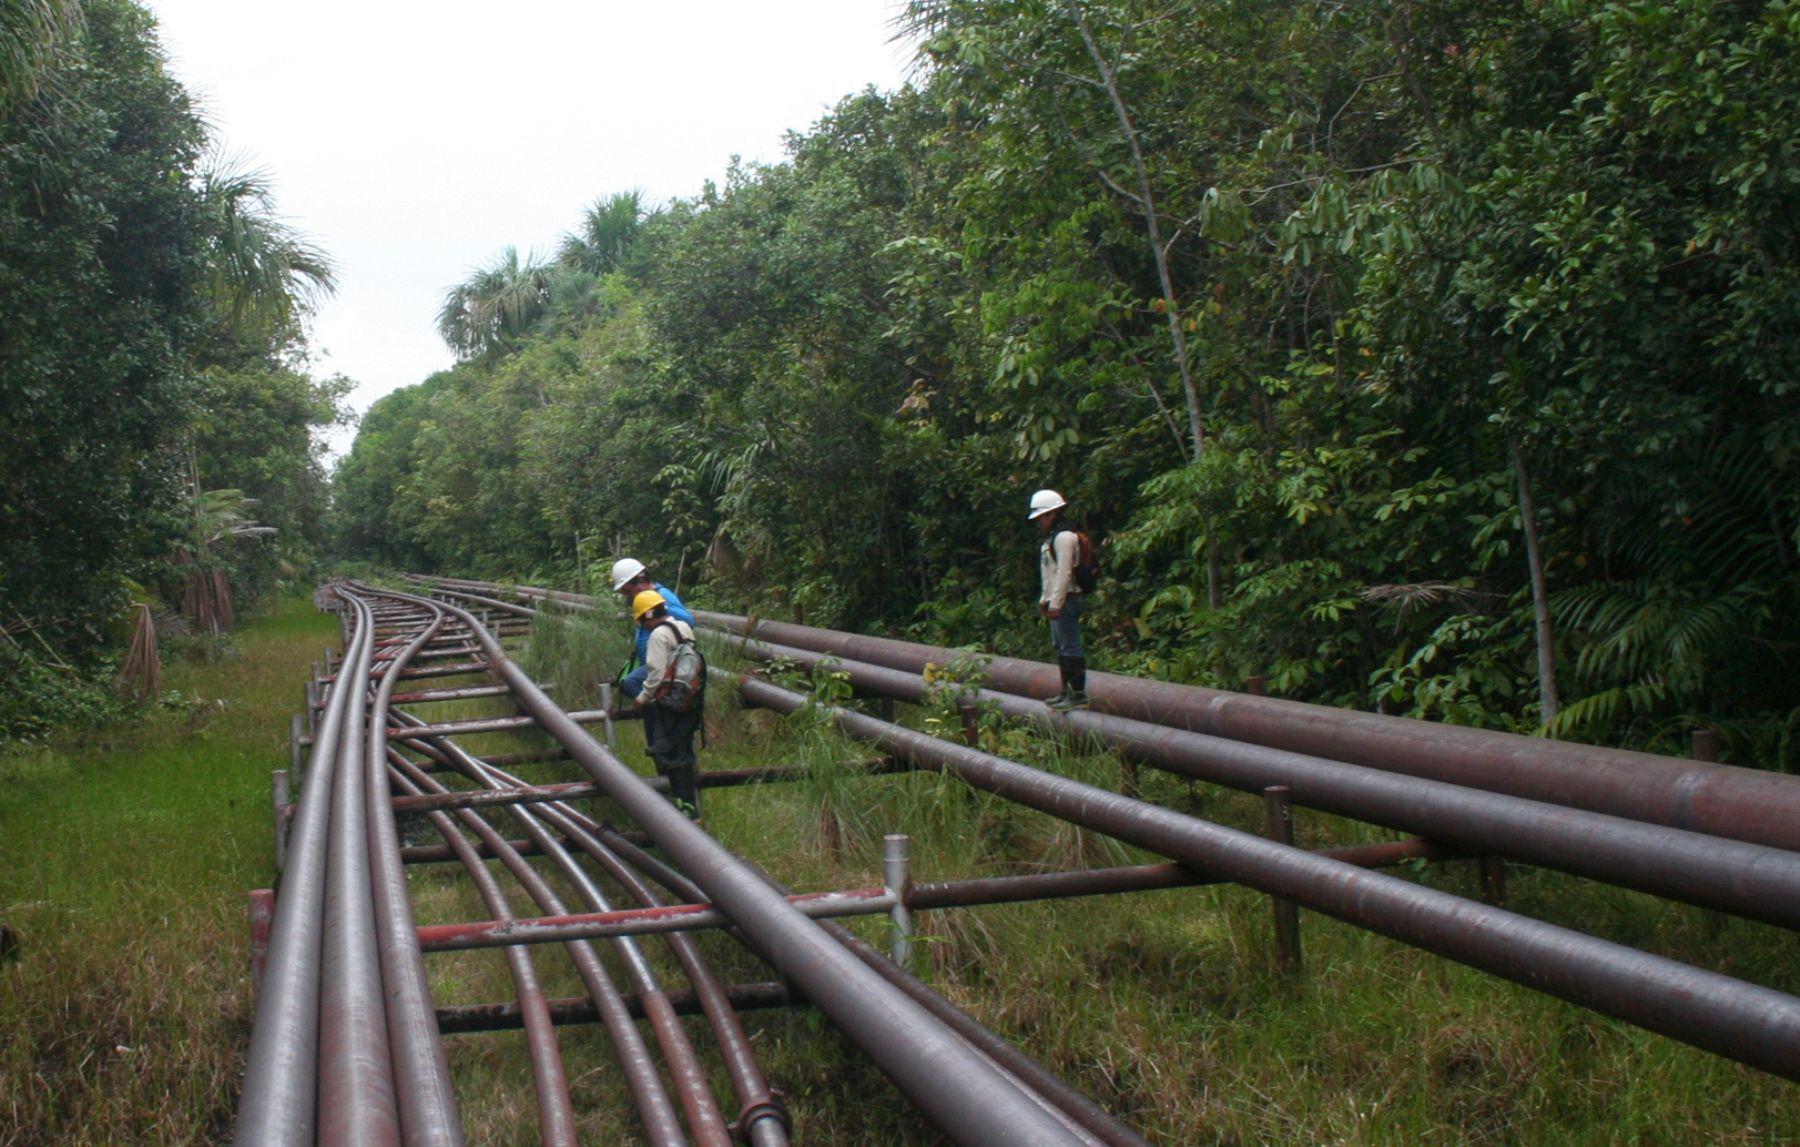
(156, 414)
(1338, 322)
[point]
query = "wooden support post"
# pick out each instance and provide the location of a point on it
(1278, 822)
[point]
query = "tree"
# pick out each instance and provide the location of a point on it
(495, 306)
(263, 277)
(100, 293)
(608, 231)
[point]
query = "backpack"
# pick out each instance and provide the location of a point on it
(1087, 563)
(686, 686)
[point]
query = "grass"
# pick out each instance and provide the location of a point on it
(125, 856)
(1164, 1005)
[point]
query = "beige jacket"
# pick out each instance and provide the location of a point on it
(1057, 558)
(659, 657)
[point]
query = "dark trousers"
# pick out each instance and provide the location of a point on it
(669, 738)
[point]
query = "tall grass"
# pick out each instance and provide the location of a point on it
(125, 856)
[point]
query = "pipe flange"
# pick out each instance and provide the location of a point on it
(774, 1106)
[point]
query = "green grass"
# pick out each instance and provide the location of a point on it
(124, 859)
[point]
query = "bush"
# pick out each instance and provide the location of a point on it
(43, 698)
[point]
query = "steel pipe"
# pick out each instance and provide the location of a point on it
(1741, 1021)
(962, 1093)
(427, 1101)
(279, 1101)
(1719, 800)
(556, 1114)
(1751, 880)
(357, 1104)
(461, 1018)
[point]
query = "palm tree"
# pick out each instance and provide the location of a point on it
(213, 517)
(495, 305)
(608, 230)
(263, 276)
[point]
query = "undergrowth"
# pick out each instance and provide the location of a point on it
(125, 856)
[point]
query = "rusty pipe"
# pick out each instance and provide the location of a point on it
(957, 1089)
(428, 1111)
(661, 1124)
(357, 1104)
(278, 1104)
(1748, 879)
(1740, 1021)
(556, 1112)
(1719, 800)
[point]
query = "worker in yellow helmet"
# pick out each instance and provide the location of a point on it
(672, 699)
(630, 578)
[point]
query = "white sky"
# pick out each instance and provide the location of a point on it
(414, 140)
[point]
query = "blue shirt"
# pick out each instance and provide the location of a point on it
(676, 609)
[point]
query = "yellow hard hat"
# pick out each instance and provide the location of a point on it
(645, 602)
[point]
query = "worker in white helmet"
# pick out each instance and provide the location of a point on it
(1060, 598)
(630, 578)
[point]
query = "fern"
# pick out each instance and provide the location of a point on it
(1694, 600)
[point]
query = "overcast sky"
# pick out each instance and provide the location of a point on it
(415, 140)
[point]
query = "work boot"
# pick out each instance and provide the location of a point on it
(1074, 694)
(1062, 695)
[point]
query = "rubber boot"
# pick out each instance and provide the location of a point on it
(1074, 694)
(1062, 697)
(1078, 698)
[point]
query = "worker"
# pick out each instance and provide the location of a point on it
(1060, 598)
(629, 579)
(672, 697)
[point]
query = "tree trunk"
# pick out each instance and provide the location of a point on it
(1147, 206)
(1146, 201)
(1540, 602)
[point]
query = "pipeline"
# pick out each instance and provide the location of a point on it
(1751, 880)
(1747, 879)
(661, 1124)
(428, 1112)
(279, 1104)
(1718, 800)
(960, 1091)
(697, 1100)
(1740, 1021)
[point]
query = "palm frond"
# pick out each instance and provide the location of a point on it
(261, 271)
(496, 305)
(32, 32)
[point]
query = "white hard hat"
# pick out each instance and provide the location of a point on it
(1043, 502)
(624, 570)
